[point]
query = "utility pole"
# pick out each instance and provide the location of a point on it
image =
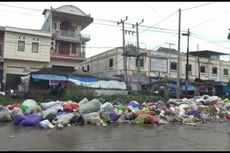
(229, 35)
(124, 51)
(51, 20)
(178, 57)
(187, 60)
(138, 55)
(198, 61)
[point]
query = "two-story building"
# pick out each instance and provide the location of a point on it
(22, 51)
(161, 63)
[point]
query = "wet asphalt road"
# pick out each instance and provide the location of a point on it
(213, 136)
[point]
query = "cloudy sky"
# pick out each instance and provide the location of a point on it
(209, 22)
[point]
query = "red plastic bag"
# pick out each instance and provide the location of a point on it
(71, 106)
(155, 120)
(142, 113)
(228, 116)
(15, 105)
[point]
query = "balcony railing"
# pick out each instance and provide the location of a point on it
(85, 36)
(77, 55)
(69, 33)
(72, 35)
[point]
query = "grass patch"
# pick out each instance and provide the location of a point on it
(77, 96)
(140, 97)
(6, 101)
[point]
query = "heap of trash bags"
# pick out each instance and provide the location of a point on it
(58, 114)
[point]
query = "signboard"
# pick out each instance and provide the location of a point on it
(54, 82)
(215, 78)
(159, 64)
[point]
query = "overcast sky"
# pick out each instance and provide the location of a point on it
(208, 23)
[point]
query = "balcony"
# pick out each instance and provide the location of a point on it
(71, 36)
(85, 37)
(78, 56)
(68, 33)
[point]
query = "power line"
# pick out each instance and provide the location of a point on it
(106, 24)
(161, 31)
(104, 20)
(204, 39)
(157, 23)
(164, 41)
(197, 6)
(101, 23)
(150, 8)
(160, 21)
(21, 7)
(52, 45)
(15, 12)
(221, 15)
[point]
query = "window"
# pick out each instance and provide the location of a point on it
(21, 46)
(202, 69)
(74, 49)
(225, 71)
(110, 62)
(73, 29)
(35, 47)
(173, 66)
(189, 68)
(55, 25)
(141, 62)
(88, 68)
(214, 70)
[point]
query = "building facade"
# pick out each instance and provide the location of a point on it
(58, 44)
(22, 51)
(68, 45)
(155, 65)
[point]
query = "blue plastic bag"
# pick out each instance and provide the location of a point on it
(31, 120)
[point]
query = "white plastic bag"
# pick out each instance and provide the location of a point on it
(46, 124)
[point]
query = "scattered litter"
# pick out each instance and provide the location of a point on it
(60, 114)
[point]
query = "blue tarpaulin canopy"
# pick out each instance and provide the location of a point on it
(226, 89)
(49, 77)
(84, 78)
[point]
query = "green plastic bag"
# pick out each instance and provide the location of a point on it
(226, 100)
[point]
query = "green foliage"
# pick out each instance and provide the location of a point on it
(6, 101)
(79, 95)
(140, 97)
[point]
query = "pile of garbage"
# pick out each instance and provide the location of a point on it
(66, 113)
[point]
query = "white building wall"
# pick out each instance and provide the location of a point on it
(97, 67)
(11, 47)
